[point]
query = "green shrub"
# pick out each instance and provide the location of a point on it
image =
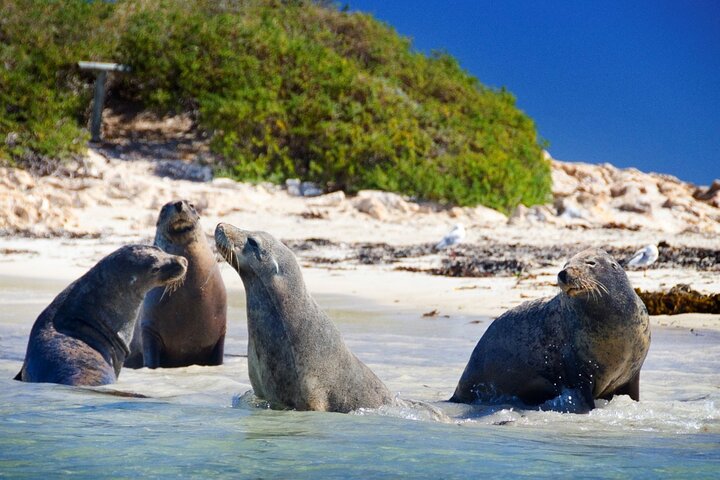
(288, 89)
(43, 95)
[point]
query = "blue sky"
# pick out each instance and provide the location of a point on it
(633, 83)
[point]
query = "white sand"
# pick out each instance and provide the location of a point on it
(122, 206)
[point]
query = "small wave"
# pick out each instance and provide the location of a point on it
(408, 410)
(249, 400)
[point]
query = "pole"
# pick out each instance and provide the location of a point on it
(98, 102)
(100, 69)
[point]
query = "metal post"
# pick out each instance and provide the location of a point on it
(100, 69)
(98, 103)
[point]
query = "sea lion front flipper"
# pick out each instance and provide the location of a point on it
(152, 348)
(583, 399)
(18, 377)
(218, 353)
(581, 384)
(134, 360)
(631, 388)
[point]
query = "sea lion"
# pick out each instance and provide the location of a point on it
(186, 326)
(296, 356)
(82, 337)
(587, 342)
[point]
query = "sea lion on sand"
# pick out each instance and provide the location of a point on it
(82, 337)
(185, 326)
(296, 356)
(587, 342)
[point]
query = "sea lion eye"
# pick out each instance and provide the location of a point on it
(253, 243)
(592, 263)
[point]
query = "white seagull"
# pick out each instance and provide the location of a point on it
(644, 257)
(456, 235)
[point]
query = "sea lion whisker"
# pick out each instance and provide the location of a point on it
(593, 291)
(210, 274)
(602, 285)
(599, 286)
(175, 284)
(165, 290)
(589, 287)
(163, 295)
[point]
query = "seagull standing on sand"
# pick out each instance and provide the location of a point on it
(644, 257)
(456, 235)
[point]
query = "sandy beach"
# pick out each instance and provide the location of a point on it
(57, 227)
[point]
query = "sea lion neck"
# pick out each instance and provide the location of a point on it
(601, 312)
(113, 306)
(282, 295)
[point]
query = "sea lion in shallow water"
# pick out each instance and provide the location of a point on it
(82, 337)
(185, 326)
(296, 356)
(587, 342)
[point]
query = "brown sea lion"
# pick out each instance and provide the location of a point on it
(185, 326)
(82, 337)
(562, 353)
(296, 356)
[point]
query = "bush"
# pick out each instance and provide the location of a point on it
(43, 95)
(295, 89)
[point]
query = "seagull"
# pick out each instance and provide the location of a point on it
(644, 257)
(456, 235)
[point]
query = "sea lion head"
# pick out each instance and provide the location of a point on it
(256, 254)
(177, 223)
(593, 274)
(111, 292)
(142, 267)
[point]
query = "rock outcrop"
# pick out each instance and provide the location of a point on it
(603, 196)
(84, 200)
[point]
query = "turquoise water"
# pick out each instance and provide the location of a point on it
(198, 424)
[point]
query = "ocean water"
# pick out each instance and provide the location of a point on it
(199, 422)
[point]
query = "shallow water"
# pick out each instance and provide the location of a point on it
(189, 426)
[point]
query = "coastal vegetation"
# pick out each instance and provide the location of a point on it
(279, 89)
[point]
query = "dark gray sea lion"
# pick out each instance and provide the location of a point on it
(296, 356)
(185, 326)
(587, 342)
(82, 337)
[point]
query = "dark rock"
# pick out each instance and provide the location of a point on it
(179, 170)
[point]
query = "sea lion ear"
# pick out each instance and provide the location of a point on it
(277, 267)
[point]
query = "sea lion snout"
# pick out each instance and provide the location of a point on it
(185, 207)
(575, 279)
(173, 269)
(227, 237)
(177, 218)
(567, 281)
(179, 206)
